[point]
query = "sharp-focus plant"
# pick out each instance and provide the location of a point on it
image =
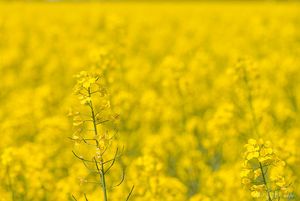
(263, 172)
(94, 128)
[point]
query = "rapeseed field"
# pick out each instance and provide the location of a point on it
(149, 101)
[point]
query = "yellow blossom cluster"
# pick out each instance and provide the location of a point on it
(263, 172)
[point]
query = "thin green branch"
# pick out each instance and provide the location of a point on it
(265, 181)
(130, 193)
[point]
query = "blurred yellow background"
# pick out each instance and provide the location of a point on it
(175, 73)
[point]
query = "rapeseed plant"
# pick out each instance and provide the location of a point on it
(90, 129)
(263, 172)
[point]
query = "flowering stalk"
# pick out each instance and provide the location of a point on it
(100, 170)
(88, 85)
(263, 172)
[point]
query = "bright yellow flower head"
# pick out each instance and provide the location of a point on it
(263, 170)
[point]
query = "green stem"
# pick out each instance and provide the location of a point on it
(100, 170)
(93, 114)
(103, 181)
(265, 181)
